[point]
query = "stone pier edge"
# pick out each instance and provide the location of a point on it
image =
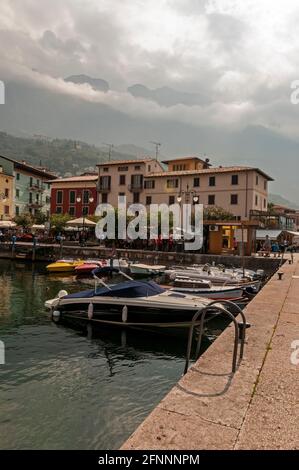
(257, 407)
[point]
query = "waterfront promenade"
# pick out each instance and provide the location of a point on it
(258, 406)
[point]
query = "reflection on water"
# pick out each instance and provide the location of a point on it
(65, 389)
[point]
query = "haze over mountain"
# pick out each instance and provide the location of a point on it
(97, 84)
(210, 78)
(166, 96)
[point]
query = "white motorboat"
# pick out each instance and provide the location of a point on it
(206, 289)
(146, 269)
(129, 303)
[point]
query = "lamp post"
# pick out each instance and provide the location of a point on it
(90, 200)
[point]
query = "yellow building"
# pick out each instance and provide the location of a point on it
(6, 196)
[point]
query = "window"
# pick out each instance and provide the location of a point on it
(256, 180)
(148, 200)
(72, 197)
(6, 192)
(149, 184)
(58, 210)
(171, 200)
(31, 181)
(86, 196)
(196, 182)
(37, 183)
(37, 198)
(135, 198)
(122, 179)
(17, 193)
(18, 176)
(105, 169)
(238, 217)
(121, 194)
(173, 183)
(72, 210)
(256, 200)
(137, 181)
(49, 185)
(212, 181)
(85, 210)
(265, 203)
(6, 210)
(234, 199)
(123, 168)
(211, 199)
(148, 168)
(104, 198)
(265, 185)
(30, 198)
(105, 182)
(137, 167)
(30, 210)
(235, 179)
(59, 197)
(17, 210)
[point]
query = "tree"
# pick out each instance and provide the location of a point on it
(217, 213)
(58, 221)
(40, 218)
(24, 220)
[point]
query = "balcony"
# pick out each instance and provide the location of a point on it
(103, 188)
(36, 187)
(136, 187)
(35, 205)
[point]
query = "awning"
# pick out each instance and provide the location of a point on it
(272, 234)
(296, 234)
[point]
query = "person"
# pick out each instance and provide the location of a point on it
(267, 245)
(1, 236)
(235, 245)
(275, 249)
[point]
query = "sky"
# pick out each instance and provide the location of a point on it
(239, 56)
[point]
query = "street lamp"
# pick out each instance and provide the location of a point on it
(90, 200)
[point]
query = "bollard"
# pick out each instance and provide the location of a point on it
(280, 276)
(240, 326)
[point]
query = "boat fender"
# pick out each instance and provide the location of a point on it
(56, 316)
(124, 314)
(90, 311)
(62, 293)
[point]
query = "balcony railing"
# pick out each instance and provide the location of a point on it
(36, 187)
(103, 188)
(135, 187)
(35, 205)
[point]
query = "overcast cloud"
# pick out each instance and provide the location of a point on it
(241, 56)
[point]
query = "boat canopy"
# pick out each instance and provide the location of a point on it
(128, 289)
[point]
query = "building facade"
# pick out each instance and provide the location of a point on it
(125, 178)
(76, 196)
(31, 189)
(236, 189)
(6, 192)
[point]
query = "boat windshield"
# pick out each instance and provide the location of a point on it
(128, 289)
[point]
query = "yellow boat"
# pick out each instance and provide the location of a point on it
(63, 265)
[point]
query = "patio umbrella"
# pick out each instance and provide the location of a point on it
(7, 224)
(81, 222)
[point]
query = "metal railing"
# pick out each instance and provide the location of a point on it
(240, 330)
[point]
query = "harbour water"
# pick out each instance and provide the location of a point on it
(67, 389)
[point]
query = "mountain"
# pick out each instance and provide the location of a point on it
(30, 110)
(166, 96)
(62, 156)
(96, 83)
(279, 200)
